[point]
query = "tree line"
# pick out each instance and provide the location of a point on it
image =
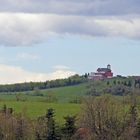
(19, 87)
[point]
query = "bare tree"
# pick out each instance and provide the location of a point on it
(103, 118)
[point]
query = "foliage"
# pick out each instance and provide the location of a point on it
(73, 80)
(46, 128)
(69, 128)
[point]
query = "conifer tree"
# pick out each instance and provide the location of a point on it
(52, 133)
(69, 127)
(108, 82)
(114, 82)
(129, 84)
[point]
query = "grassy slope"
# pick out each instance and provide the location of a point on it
(66, 94)
(63, 94)
(37, 105)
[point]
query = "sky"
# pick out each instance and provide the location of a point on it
(49, 39)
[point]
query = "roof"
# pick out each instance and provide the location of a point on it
(103, 70)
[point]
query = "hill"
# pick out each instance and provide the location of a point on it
(65, 100)
(71, 93)
(61, 94)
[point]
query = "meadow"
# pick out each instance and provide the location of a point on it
(37, 109)
(35, 103)
(63, 94)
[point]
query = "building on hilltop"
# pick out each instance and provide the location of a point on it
(101, 73)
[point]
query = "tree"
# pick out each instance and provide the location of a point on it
(86, 75)
(4, 110)
(125, 83)
(129, 84)
(132, 119)
(108, 82)
(52, 133)
(114, 82)
(69, 127)
(103, 118)
(91, 89)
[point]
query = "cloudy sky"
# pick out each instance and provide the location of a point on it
(49, 39)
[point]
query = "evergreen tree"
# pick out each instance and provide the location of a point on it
(125, 83)
(52, 133)
(4, 109)
(114, 82)
(129, 84)
(108, 82)
(69, 127)
(86, 75)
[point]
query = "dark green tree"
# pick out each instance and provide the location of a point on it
(52, 130)
(129, 84)
(4, 109)
(114, 82)
(69, 127)
(108, 83)
(86, 75)
(125, 83)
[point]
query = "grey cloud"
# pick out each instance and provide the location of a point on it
(72, 7)
(27, 29)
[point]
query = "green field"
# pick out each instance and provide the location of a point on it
(62, 94)
(35, 106)
(36, 109)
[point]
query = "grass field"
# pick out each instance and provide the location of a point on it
(35, 106)
(63, 94)
(36, 109)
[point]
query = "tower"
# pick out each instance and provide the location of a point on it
(109, 66)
